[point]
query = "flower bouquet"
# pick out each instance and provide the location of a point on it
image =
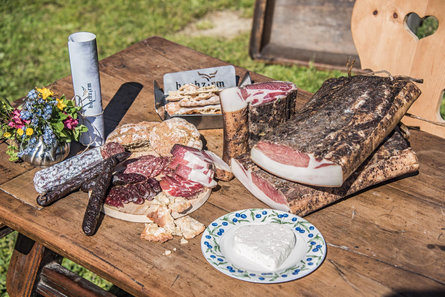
(43, 121)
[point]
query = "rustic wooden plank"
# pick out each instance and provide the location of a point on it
(389, 225)
(385, 261)
(57, 281)
(26, 261)
(9, 169)
(180, 269)
(432, 161)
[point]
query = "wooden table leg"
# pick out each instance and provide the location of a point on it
(26, 261)
(57, 281)
(34, 270)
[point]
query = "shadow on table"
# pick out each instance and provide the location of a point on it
(119, 105)
(115, 110)
(430, 293)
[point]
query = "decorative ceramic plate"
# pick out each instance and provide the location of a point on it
(306, 256)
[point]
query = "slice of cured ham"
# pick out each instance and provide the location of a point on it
(177, 186)
(204, 177)
(252, 111)
(392, 159)
(336, 130)
(190, 156)
(193, 164)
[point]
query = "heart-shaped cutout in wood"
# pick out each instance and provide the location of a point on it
(385, 39)
(421, 27)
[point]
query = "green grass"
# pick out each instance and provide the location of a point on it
(33, 43)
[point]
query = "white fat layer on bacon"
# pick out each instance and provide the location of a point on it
(218, 162)
(231, 100)
(327, 176)
(245, 177)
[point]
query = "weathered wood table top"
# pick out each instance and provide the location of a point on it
(387, 240)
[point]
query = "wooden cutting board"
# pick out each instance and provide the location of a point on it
(385, 42)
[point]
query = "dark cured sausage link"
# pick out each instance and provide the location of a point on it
(97, 197)
(127, 178)
(88, 185)
(74, 184)
(123, 165)
(155, 185)
(70, 186)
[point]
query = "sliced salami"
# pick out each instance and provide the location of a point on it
(136, 192)
(148, 166)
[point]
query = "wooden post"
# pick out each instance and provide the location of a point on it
(26, 261)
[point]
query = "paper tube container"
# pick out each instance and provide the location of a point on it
(86, 83)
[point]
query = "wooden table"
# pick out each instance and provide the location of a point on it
(388, 240)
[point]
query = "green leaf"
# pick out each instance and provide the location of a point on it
(63, 116)
(58, 127)
(76, 134)
(69, 103)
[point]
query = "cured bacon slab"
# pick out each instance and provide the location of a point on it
(251, 111)
(392, 159)
(336, 130)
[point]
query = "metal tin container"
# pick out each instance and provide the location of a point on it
(201, 77)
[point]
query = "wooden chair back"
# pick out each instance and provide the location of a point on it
(383, 36)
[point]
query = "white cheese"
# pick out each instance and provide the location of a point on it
(267, 245)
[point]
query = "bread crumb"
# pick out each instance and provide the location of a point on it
(174, 249)
(183, 241)
(167, 252)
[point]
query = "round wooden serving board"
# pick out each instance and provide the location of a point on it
(137, 213)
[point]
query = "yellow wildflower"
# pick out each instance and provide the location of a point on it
(45, 93)
(60, 104)
(29, 131)
(7, 134)
(20, 131)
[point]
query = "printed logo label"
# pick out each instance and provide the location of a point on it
(222, 77)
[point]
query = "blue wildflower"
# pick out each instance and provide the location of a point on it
(34, 121)
(48, 136)
(25, 115)
(32, 94)
(47, 112)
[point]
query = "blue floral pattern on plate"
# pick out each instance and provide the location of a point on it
(315, 243)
